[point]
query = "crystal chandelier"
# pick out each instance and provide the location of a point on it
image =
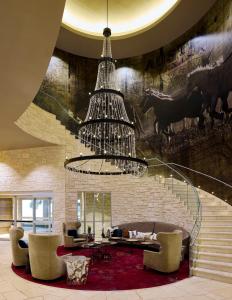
(107, 131)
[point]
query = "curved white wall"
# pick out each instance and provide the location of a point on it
(28, 33)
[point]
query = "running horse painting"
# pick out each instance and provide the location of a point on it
(170, 109)
(215, 82)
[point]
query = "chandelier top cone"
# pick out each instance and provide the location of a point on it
(107, 133)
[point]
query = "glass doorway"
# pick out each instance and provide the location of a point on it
(94, 211)
(33, 213)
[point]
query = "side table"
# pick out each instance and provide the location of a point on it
(77, 269)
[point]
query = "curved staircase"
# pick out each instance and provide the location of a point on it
(212, 250)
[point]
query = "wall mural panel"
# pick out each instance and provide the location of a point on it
(179, 96)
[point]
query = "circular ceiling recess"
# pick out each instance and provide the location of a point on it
(138, 26)
(125, 18)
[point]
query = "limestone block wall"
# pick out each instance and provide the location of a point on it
(132, 199)
(35, 169)
(41, 169)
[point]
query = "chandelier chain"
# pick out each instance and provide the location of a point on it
(107, 13)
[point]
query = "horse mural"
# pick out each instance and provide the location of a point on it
(170, 109)
(215, 82)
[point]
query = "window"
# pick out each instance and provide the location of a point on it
(94, 210)
(38, 211)
(33, 212)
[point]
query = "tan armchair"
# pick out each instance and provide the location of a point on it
(167, 260)
(44, 262)
(19, 254)
(70, 241)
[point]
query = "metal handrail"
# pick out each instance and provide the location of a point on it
(196, 227)
(211, 178)
(201, 173)
(17, 221)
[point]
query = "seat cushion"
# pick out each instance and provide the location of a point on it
(77, 240)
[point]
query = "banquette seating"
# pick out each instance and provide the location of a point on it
(156, 227)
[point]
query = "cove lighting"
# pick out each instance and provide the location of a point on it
(89, 18)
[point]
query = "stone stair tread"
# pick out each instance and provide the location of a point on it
(216, 263)
(213, 239)
(209, 226)
(213, 254)
(216, 232)
(217, 215)
(214, 246)
(220, 273)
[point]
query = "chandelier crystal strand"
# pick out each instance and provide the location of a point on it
(107, 130)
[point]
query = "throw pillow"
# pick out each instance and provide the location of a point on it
(110, 230)
(147, 235)
(140, 235)
(73, 233)
(117, 233)
(132, 234)
(22, 244)
(125, 233)
(153, 236)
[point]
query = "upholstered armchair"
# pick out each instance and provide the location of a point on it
(19, 254)
(44, 262)
(167, 260)
(71, 236)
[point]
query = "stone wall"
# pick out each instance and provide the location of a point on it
(41, 169)
(35, 169)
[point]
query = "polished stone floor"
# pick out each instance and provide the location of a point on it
(13, 287)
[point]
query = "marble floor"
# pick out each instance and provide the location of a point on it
(13, 287)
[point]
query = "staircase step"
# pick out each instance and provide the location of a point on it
(216, 223)
(213, 265)
(213, 208)
(212, 202)
(212, 274)
(212, 248)
(212, 241)
(212, 256)
(216, 228)
(217, 218)
(218, 213)
(215, 235)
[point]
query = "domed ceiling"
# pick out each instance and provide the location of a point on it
(138, 26)
(125, 17)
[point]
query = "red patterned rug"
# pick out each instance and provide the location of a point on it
(124, 271)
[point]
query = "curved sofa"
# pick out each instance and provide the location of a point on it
(157, 227)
